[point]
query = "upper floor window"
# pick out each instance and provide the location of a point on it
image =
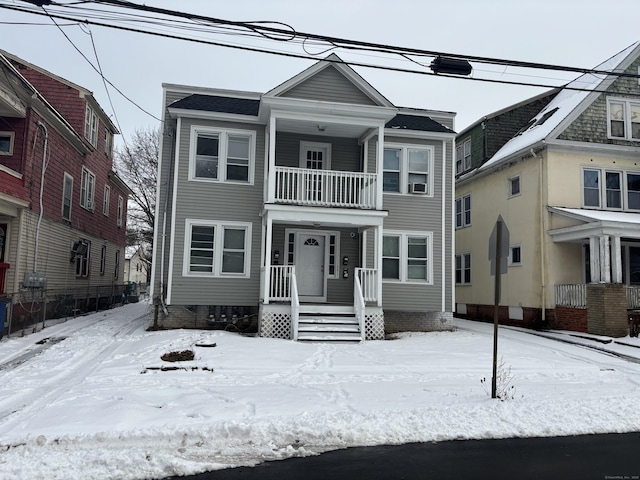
(624, 118)
(408, 169)
(217, 249)
(463, 156)
(105, 202)
(514, 186)
(222, 155)
(463, 211)
(91, 126)
(463, 269)
(119, 219)
(82, 251)
(67, 195)
(406, 256)
(103, 259)
(515, 255)
(87, 189)
(6, 143)
(108, 142)
(620, 190)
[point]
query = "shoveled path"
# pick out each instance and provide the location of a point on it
(599, 457)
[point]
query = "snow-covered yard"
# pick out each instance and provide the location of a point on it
(96, 404)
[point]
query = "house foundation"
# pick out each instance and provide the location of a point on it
(607, 309)
(398, 321)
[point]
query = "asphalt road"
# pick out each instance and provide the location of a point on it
(598, 457)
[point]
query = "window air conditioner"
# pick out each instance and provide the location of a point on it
(418, 188)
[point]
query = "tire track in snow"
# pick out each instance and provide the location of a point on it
(22, 408)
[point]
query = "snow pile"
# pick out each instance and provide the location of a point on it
(98, 405)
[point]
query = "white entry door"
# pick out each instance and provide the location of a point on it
(310, 267)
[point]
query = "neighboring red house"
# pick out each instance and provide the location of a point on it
(62, 207)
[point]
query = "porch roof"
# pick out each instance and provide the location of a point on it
(595, 223)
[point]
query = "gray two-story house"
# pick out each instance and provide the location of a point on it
(317, 210)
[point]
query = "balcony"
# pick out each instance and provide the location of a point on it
(325, 188)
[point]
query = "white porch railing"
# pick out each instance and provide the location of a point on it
(571, 295)
(331, 188)
(295, 304)
(280, 283)
(358, 305)
(369, 283)
(633, 297)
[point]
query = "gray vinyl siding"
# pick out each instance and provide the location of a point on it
(329, 85)
(419, 213)
(345, 152)
(217, 201)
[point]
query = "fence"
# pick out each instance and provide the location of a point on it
(576, 296)
(28, 307)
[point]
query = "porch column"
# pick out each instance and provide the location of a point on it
(271, 187)
(594, 259)
(605, 259)
(616, 260)
(267, 261)
(379, 166)
(378, 261)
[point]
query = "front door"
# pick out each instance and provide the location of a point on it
(310, 267)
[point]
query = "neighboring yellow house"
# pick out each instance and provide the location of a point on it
(567, 185)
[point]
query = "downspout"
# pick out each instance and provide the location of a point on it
(44, 166)
(164, 226)
(543, 273)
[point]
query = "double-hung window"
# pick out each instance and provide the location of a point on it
(120, 215)
(222, 155)
(408, 169)
(91, 126)
(82, 258)
(624, 119)
(463, 211)
(87, 189)
(6, 143)
(406, 256)
(105, 200)
(463, 156)
(610, 189)
(514, 186)
(463, 269)
(217, 249)
(67, 195)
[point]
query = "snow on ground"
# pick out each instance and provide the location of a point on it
(95, 405)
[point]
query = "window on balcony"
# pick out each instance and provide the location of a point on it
(216, 249)
(406, 256)
(408, 169)
(222, 155)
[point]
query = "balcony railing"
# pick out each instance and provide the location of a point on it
(576, 296)
(280, 278)
(327, 188)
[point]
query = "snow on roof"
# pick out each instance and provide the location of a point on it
(558, 109)
(599, 215)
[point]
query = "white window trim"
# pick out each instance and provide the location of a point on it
(404, 167)
(510, 180)
(223, 134)
(87, 196)
(404, 257)
(79, 263)
(91, 125)
(462, 267)
(602, 188)
(627, 117)
(463, 224)
(64, 182)
(511, 262)
(120, 217)
(11, 136)
(106, 200)
(305, 145)
(108, 142)
(218, 237)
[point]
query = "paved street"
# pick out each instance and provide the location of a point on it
(598, 457)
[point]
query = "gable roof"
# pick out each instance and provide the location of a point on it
(349, 73)
(565, 107)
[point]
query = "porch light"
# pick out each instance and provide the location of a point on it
(322, 128)
(453, 66)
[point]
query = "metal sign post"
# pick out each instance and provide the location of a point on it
(498, 256)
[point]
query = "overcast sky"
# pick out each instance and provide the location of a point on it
(577, 33)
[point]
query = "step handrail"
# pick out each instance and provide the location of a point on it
(295, 304)
(358, 305)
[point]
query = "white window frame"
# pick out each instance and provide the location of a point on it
(462, 210)
(108, 142)
(218, 248)
(87, 189)
(11, 136)
(68, 197)
(83, 262)
(105, 200)
(463, 156)
(305, 146)
(404, 256)
(404, 167)
(513, 246)
(91, 123)
(626, 106)
(223, 139)
(103, 259)
(464, 266)
(510, 183)
(120, 217)
(602, 188)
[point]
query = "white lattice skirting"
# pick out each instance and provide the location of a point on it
(276, 325)
(374, 326)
